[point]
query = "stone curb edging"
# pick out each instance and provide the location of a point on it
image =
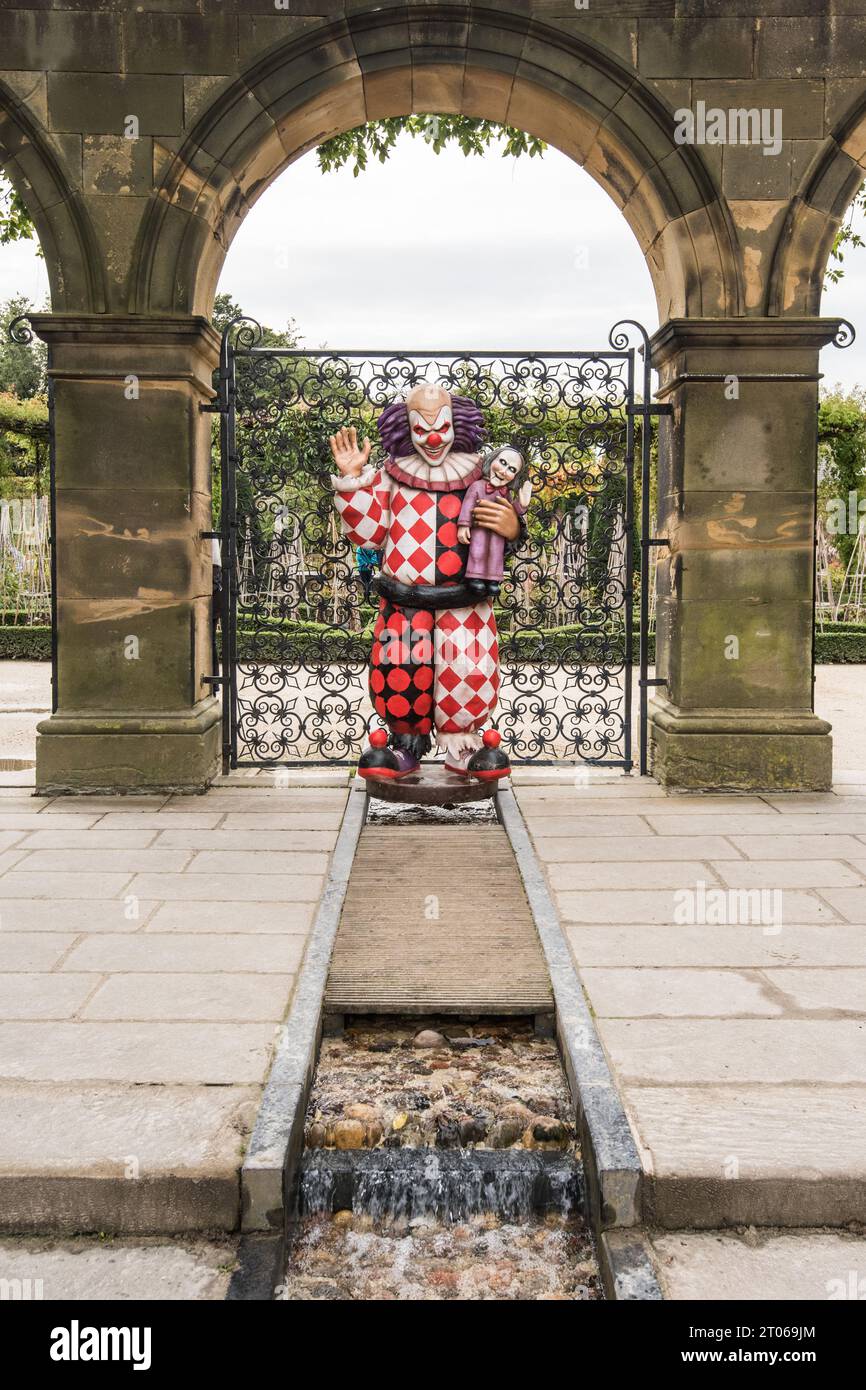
(627, 1269)
(277, 1138)
(614, 1173)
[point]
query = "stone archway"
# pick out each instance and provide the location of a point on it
(500, 67)
(226, 103)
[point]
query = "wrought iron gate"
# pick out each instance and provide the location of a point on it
(297, 611)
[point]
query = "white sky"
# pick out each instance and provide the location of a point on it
(443, 251)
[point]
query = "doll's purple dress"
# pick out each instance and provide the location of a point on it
(486, 549)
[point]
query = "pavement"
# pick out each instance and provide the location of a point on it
(721, 943)
(149, 949)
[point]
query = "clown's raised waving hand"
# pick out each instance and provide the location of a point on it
(350, 457)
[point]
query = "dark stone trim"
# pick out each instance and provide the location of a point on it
(627, 1270)
(259, 1269)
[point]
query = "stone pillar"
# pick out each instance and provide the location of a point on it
(133, 575)
(736, 498)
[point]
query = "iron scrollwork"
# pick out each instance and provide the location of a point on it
(302, 611)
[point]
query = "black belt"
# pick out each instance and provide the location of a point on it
(426, 596)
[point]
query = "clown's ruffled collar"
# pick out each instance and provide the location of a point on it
(455, 472)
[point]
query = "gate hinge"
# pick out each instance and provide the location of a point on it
(645, 682)
(213, 535)
(213, 680)
(654, 408)
(658, 540)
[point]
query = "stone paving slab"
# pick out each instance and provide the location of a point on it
(94, 839)
(36, 995)
(236, 997)
(699, 1050)
(677, 993)
(642, 945)
(167, 952)
(148, 952)
(290, 918)
(659, 906)
(658, 873)
(723, 951)
(807, 873)
(764, 1265)
(28, 951)
(74, 914)
(222, 888)
(730, 1133)
(119, 1271)
(103, 859)
(288, 841)
(792, 847)
(209, 1054)
(613, 849)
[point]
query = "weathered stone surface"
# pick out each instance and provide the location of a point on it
(686, 1051)
(693, 48)
(175, 951)
(85, 1270)
(741, 760)
(680, 992)
(808, 1265)
(246, 998)
(634, 946)
(99, 103)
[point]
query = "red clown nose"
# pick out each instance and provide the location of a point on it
(433, 441)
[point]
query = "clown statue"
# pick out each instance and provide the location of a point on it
(434, 666)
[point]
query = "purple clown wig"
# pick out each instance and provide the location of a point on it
(397, 441)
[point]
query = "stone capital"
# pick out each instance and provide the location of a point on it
(779, 350)
(111, 346)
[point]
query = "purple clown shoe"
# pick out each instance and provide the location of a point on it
(381, 761)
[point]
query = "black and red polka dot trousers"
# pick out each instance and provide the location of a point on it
(434, 671)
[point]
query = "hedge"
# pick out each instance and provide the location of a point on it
(25, 643)
(844, 645)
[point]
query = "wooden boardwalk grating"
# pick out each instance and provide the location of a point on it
(394, 955)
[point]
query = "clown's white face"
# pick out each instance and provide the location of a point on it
(505, 466)
(431, 423)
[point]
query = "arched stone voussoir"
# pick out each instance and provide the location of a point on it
(67, 238)
(446, 59)
(817, 210)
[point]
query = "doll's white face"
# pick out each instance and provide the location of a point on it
(505, 466)
(431, 422)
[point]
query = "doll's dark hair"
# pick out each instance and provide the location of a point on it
(521, 445)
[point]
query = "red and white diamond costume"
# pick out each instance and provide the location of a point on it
(430, 671)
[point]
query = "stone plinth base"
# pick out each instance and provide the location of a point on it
(740, 750)
(88, 753)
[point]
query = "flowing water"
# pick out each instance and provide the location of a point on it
(440, 1163)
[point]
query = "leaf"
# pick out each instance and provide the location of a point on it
(471, 134)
